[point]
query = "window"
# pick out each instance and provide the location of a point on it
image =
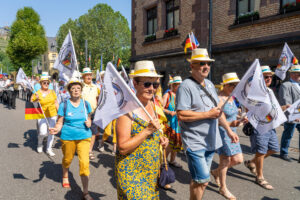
(151, 21)
(289, 5)
(245, 6)
(172, 13)
(53, 55)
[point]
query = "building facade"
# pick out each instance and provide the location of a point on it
(242, 30)
(50, 56)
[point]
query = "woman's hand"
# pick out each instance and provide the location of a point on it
(153, 126)
(53, 131)
(88, 123)
(164, 142)
(233, 136)
(173, 113)
(235, 123)
(37, 97)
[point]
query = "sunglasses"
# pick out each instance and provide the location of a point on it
(266, 77)
(148, 84)
(203, 63)
(45, 83)
(232, 84)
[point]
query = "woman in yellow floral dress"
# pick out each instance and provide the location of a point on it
(138, 140)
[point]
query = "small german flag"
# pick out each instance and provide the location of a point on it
(269, 118)
(119, 61)
(33, 111)
(295, 60)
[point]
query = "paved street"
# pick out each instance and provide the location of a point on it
(27, 175)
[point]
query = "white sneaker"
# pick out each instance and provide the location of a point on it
(40, 149)
(50, 152)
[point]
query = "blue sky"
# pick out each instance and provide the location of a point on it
(54, 13)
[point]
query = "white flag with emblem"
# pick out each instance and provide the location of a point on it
(294, 111)
(286, 60)
(66, 62)
(22, 79)
(116, 98)
(274, 118)
(252, 92)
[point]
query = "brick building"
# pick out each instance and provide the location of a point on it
(242, 30)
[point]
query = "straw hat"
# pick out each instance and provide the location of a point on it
(144, 68)
(131, 72)
(177, 79)
(230, 78)
(86, 70)
(295, 68)
(170, 80)
(199, 55)
(44, 77)
(102, 73)
(74, 80)
(266, 69)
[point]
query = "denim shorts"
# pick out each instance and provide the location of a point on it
(262, 142)
(199, 163)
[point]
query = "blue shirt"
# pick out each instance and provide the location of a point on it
(74, 127)
(38, 86)
(201, 134)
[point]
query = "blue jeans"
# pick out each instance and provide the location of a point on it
(199, 163)
(287, 135)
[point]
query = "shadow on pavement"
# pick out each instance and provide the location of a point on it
(19, 176)
(107, 161)
(268, 198)
(181, 175)
(31, 139)
(246, 149)
(51, 170)
(13, 145)
(163, 194)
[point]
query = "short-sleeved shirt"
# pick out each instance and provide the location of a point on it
(90, 94)
(201, 134)
(74, 127)
(47, 102)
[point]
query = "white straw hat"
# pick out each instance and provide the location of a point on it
(199, 55)
(295, 68)
(177, 79)
(44, 77)
(74, 80)
(266, 69)
(144, 68)
(230, 78)
(86, 70)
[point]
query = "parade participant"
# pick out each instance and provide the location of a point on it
(172, 129)
(230, 154)
(37, 84)
(289, 93)
(9, 89)
(75, 134)
(90, 93)
(110, 128)
(47, 99)
(1, 88)
(200, 116)
(263, 144)
(138, 139)
(63, 93)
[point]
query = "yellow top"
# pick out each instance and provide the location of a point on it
(47, 102)
(90, 94)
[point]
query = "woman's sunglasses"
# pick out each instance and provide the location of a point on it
(148, 84)
(266, 77)
(45, 83)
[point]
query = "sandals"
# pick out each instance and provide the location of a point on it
(92, 156)
(217, 180)
(263, 183)
(252, 169)
(65, 184)
(227, 195)
(87, 197)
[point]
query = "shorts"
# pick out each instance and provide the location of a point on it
(199, 163)
(43, 127)
(262, 142)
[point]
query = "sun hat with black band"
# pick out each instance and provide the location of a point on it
(230, 78)
(200, 55)
(144, 68)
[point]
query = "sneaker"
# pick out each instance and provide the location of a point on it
(50, 152)
(101, 148)
(286, 158)
(40, 149)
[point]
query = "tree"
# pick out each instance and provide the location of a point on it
(107, 33)
(5, 63)
(27, 39)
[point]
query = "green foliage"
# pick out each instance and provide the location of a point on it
(27, 39)
(107, 33)
(5, 63)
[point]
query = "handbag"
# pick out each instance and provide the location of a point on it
(248, 129)
(167, 175)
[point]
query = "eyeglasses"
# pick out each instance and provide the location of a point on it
(267, 77)
(232, 84)
(45, 83)
(204, 63)
(148, 84)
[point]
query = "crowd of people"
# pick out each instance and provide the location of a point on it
(196, 119)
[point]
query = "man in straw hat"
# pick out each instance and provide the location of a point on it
(199, 116)
(90, 93)
(289, 93)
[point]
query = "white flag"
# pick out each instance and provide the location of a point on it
(22, 79)
(252, 92)
(98, 77)
(66, 62)
(273, 119)
(128, 80)
(116, 98)
(286, 60)
(294, 111)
